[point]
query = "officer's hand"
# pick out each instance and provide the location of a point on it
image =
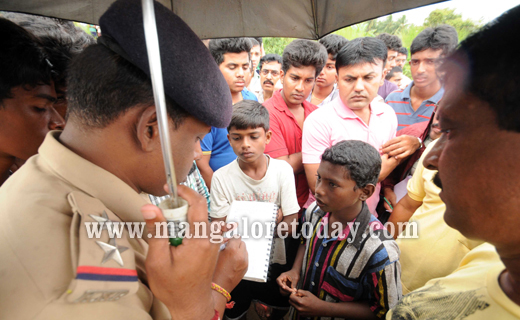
(181, 276)
(231, 265)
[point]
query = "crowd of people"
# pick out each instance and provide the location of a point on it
(332, 132)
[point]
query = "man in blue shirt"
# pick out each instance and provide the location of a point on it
(418, 100)
(233, 56)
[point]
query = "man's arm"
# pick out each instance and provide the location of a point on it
(311, 170)
(407, 206)
(190, 266)
(389, 194)
(232, 261)
(205, 170)
(401, 147)
(220, 202)
(295, 160)
(316, 138)
(289, 220)
(388, 165)
(403, 211)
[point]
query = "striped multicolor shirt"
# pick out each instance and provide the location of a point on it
(361, 264)
(401, 102)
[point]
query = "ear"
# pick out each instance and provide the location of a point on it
(229, 139)
(268, 135)
(147, 131)
(385, 72)
(282, 75)
(336, 77)
(367, 192)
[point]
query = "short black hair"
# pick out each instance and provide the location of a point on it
(23, 61)
(360, 160)
(60, 39)
(443, 37)
(392, 72)
(219, 47)
(254, 42)
(304, 53)
(259, 39)
(249, 114)
(333, 43)
(102, 86)
(391, 41)
(403, 50)
(270, 58)
(493, 80)
(362, 50)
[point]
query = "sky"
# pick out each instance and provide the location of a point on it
(486, 10)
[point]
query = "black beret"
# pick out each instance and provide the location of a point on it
(190, 74)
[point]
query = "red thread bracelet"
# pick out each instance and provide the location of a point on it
(216, 316)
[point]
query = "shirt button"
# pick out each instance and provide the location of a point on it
(312, 283)
(317, 264)
(324, 244)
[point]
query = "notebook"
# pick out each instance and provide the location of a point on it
(256, 221)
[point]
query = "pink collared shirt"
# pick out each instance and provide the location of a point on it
(335, 122)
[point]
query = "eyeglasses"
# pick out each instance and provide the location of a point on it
(274, 73)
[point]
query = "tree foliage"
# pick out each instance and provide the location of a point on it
(448, 16)
(400, 27)
(375, 27)
(276, 45)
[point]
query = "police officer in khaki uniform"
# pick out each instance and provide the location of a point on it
(94, 173)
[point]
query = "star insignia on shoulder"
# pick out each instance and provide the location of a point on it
(112, 251)
(103, 219)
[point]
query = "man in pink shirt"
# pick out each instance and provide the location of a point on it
(353, 115)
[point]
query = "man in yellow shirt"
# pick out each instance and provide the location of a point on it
(478, 161)
(438, 249)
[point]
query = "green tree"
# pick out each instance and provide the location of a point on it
(448, 16)
(276, 45)
(375, 26)
(355, 31)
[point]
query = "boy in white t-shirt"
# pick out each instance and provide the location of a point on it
(254, 176)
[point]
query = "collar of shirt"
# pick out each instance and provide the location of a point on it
(346, 113)
(280, 105)
(327, 98)
(360, 224)
(434, 99)
(95, 181)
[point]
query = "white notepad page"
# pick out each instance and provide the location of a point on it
(256, 222)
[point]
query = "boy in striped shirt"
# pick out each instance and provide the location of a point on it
(347, 265)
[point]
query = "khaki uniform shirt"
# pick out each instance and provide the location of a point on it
(50, 268)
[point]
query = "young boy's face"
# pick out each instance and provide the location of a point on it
(335, 191)
(249, 144)
(328, 75)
